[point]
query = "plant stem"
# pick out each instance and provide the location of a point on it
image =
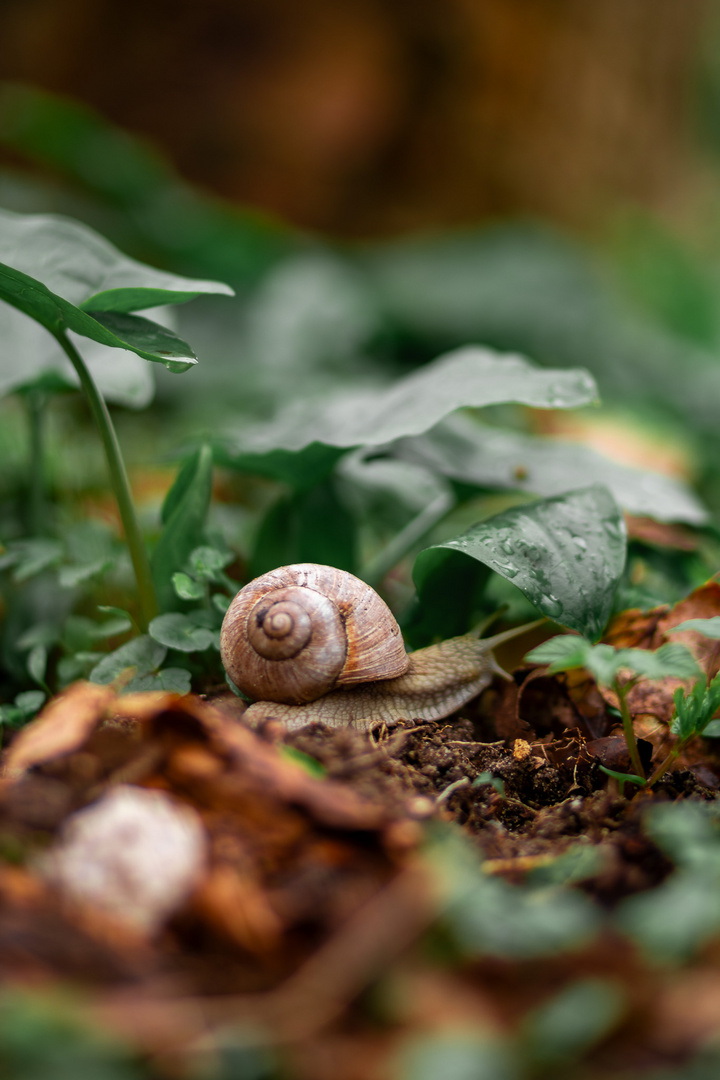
(627, 723)
(120, 484)
(374, 571)
(665, 765)
(35, 402)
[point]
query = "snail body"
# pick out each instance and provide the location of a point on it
(312, 643)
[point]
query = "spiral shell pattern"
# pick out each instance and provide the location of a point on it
(295, 633)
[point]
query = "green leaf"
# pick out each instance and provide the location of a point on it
(148, 339)
(49, 266)
(172, 680)
(450, 589)
(37, 664)
(119, 613)
(86, 270)
(81, 633)
(495, 782)
(30, 701)
(462, 449)
(177, 631)
(300, 469)
(456, 1055)
(70, 577)
(186, 588)
(31, 557)
(566, 652)
(306, 526)
(695, 710)
(565, 555)
(561, 653)
(709, 627)
(310, 764)
(486, 916)
(528, 289)
(119, 331)
(142, 653)
(472, 376)
(206, 563)
(669, 661)
(561, 1029)
(624, 778)
(184, 523)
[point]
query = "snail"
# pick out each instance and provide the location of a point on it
(311, 643)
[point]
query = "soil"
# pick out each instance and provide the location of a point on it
(309, 915)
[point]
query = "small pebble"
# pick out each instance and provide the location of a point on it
(135, 854)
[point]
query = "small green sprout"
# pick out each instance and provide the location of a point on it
(620, 670)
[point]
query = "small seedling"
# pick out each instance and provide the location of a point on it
(95, 294)
(620, 670)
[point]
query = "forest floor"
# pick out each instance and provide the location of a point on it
(346, 902)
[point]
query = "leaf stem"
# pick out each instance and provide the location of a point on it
(119, 481)
(666, 763)
(35, 401)
(403, 542)
(627, 723)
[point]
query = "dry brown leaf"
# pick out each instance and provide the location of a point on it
(61, 728)
(238, 908)
(661, 533)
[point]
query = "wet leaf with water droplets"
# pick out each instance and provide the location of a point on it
(568, 555)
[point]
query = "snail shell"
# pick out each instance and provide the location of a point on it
(299, 631)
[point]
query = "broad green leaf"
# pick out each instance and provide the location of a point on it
(528, 289)
(187, 503)
(177, 631)
(300, 469)
(462, 449)
(709, 627)
(449, 597)
(24, 708)
(42, 633)
(142, 653)
(148, 339)
(117, 330)
(51, 268)
(306, 526)
(565, 555)
(472, 376)
(86, 270)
